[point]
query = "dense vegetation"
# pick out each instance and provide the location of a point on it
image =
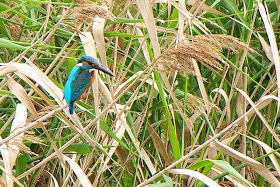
(194, 99)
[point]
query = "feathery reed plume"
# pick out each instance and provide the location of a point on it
(203, 48)
(87, 11)
(193, 103)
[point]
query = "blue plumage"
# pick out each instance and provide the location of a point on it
(76, 83)
(80, 79)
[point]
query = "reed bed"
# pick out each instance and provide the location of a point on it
(194, 100)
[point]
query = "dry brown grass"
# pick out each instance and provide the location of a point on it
(15, 30)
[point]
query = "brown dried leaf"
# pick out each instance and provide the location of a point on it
(10, 150)
(204, 7)
(21, 94)
(78, 171)
(159, 144)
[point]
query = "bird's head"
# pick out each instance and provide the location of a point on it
(93, 63)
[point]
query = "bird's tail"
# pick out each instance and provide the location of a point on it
(71, 108)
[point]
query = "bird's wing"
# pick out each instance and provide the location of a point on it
(73, 74)
(79, 84)
(67, 87)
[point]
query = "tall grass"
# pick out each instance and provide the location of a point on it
(194, 100)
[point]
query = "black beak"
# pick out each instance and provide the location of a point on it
(104, 70)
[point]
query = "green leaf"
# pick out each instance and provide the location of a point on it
(21, 165)
(12, 45)
(4, 29)
(168, 182)
(107, 129)
(227, 167)
(172, 133)
(79, 148)
(125, 20)
(200, 164)
(234, 8)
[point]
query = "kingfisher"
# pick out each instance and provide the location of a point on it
(80, 79)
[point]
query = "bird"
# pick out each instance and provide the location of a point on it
(80, 79)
